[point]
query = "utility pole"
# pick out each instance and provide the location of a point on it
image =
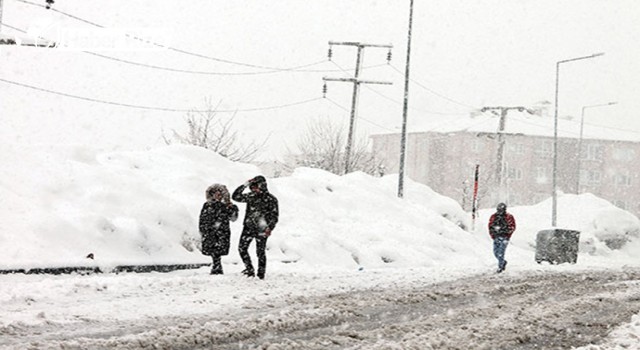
(356, 81)
(501, 141)
(405, 106)
(1, 4)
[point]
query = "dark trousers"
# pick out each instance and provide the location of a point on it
(216, 265)
(247, 236)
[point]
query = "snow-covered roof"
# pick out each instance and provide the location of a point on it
(530, 124)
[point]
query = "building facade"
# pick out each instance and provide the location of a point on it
(446, 161)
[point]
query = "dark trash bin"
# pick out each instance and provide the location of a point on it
(557, 246)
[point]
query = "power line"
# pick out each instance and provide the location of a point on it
(178, 70)
(185, 52)
(181, 110)
(431, 90)
(187, 71)
(360, 118)
(396, 101)
(414, 108)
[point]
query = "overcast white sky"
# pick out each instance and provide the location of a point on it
(471, 53)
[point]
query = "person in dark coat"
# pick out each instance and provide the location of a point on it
(215, 216)
(260, 219)
(501, 227)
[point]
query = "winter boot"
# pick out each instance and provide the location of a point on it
(502, 267)
(248, 272)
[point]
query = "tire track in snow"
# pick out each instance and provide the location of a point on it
(537, 310)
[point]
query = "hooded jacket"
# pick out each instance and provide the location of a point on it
(501, 224)
(262, 208)
(214, 222)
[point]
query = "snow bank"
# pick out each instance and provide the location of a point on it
(604, 228)
(64, 202)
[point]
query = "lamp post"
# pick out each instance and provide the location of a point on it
(579, 151)
(554, 195)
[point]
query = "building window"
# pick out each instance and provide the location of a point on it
(516, 148)
(545, 149)
(514, 174)
(594, 152)
(591, 177)
(478, 146)
(622, 180)
(623, 154)
(541, 175)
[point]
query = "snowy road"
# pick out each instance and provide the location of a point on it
(550, 311)
(526, 310)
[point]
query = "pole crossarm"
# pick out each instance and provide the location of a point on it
(500, 166)
(359, 44)
(358, 81)
(500, 108)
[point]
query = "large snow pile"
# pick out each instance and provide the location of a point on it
(604, 228)
(63, 202)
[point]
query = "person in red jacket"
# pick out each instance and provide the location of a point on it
(501, 227)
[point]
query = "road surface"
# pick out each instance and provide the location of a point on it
(530, 310)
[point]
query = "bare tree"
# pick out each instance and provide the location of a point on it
(322, 146)
(208, 130)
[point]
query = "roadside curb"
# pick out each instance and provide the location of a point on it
(85, 270)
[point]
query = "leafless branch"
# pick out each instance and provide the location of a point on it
(209, 130)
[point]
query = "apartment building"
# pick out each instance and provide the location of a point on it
(603, 161)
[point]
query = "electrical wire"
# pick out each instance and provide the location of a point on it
(178, 70)
(431, 90)
(358, 117)
(185, 52)
(396, 101)
(163, 109)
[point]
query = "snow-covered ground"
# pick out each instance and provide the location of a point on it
(82, 177)
(337, 234)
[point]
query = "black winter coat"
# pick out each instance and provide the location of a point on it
(262, 209)
(214, 227)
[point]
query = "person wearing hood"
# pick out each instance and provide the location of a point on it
(501, 227)
(215, 216)
(260, 219)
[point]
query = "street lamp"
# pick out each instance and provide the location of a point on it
(554, 195)
(578, 154)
